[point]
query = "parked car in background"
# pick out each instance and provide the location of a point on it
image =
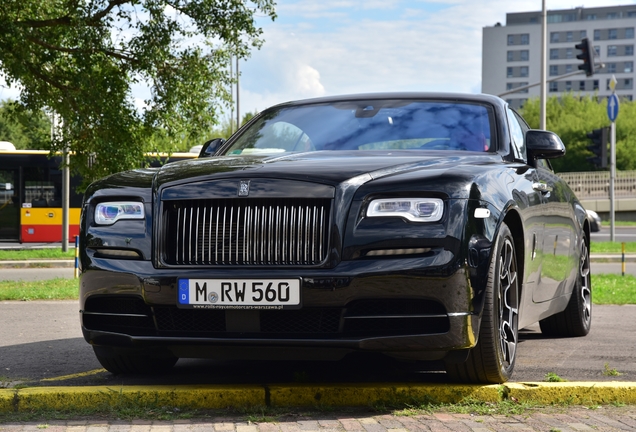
(595, 221)
(426, 227)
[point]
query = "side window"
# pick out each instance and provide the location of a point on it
(517, 134)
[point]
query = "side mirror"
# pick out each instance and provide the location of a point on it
(544, 145)
(210, 147)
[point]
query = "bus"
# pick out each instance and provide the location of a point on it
(31, 195)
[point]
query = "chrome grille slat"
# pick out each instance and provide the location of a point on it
(249, 232)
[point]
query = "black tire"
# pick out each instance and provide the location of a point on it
(492, 360)
(576, 319)
(116, 363)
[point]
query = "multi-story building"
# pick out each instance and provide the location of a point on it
(511, 55)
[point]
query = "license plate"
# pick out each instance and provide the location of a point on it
(239, 293)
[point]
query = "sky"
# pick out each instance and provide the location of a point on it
(329, 47)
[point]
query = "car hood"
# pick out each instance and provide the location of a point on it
(326, 167)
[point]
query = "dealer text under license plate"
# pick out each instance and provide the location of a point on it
(239, 294)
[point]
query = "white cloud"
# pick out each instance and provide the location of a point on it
(400, 45)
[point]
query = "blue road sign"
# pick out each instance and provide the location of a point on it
(612, 107)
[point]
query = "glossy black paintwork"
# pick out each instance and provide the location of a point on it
(453, 271)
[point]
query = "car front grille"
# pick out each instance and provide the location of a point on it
(246, 231)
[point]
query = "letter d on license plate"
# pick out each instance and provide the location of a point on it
(239, 293)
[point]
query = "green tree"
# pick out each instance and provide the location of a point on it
(81, 60)
(26, 129)
(573, 117)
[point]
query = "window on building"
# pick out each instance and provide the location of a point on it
(511, 56)
(554, 37)
(611, 50)
(509, 86)
(611, 67)
(629, 33)
(631, 14)
(554, 54)
(628, 97)
(569, 17)
(590, 17)
(597, 50)
(628, 67)
(525, 55)
(569, 53)
(612, 15)
(628, 83)
(568, 86)
(582, 85)
(554, 87)
(511, 39)
(612, 34)
(583, 34)
(525, 39)
(595, 85)
(523, 71)
(629, 50)
(509, 72)
(554, 70)
(568, 36)
(555, 18)
(568, 68)
(597, 35)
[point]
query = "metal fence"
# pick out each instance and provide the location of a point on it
(594, 185)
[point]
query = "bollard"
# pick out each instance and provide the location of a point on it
(76, 272)
(623, 257)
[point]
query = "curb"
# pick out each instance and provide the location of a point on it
(327, 395)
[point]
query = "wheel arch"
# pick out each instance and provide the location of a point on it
(513, 220)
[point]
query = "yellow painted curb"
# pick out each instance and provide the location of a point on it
(199, 397)
(367, 394)
(577, 393)
(223, 396)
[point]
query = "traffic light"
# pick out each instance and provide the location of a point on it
(599, 139)
(587, 55)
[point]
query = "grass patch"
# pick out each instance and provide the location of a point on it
(552, 377)
(27, 254)
(52, 289)
(613, 289)
(612, 247)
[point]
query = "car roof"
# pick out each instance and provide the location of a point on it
(457, 97)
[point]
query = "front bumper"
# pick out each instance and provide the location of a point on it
(419, 306)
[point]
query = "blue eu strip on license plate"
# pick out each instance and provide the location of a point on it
(239, 294)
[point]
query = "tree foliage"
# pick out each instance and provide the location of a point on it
(24, 128)
(82, 59)
(573, 117)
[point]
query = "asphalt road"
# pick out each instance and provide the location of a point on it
(41, 344)
(621, 234)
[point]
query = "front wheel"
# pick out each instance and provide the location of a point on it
(133, 363)
(576, 319)
(492, 360)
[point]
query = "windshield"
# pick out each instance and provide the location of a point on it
(369, 125)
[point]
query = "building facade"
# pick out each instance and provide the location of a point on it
(511, 54)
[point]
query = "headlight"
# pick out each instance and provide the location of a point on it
(108, 213)
(413, 209)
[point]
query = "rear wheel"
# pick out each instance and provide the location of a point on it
(132, 363)
(492, 360)
(576, 319)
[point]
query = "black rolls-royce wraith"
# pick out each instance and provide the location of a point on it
(420, 226)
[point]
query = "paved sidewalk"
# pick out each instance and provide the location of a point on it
(605, 418)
